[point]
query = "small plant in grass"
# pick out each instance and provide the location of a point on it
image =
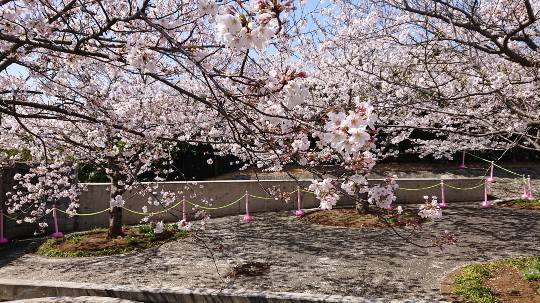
(96, 243)
(469, 284)
(145, 229)
(74, 239)
(533, 273)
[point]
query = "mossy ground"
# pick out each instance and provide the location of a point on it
(523, 204)
(95, 243)
(507, 280)
(347, 217)
(528, 203)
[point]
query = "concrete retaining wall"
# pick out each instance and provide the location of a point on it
(96, 198)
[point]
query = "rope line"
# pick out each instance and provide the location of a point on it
(219, 207)
(421, 188)
(15, 219)
(465, 188)
(274, 198)
(82, 215)
(259, 197)
(151, 213)
(9, 218)
(507, 170)
(494, 164)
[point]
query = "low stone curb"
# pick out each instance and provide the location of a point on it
(13, 289)
(84, 299)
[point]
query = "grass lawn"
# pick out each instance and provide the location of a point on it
(95, 243)
(529, 203)
(507, 280)
(524, 204)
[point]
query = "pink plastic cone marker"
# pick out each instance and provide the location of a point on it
(3, 240)
(57, 234)
(299, 212)
(491, 179)
(486, 203)
(184, 220)
(530, 193)
(462, 165)
(184, 210)
(247, 217)
(443, 204)
(525, 194)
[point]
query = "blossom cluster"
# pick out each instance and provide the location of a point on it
(383, 195)
(241, 30)
(348, 133)
(430, 209)
(238, 36)
(326, 192)
(42, 187)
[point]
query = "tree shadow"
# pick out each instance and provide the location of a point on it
(383, 262)
(305, 258)
(17, 248)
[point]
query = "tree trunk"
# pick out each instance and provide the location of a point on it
(115, 223)
(115, 213)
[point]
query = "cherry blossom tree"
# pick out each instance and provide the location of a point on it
(442, 75)
(119, 84)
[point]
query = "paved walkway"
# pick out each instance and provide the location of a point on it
(306, 258)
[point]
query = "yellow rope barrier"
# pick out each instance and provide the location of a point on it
(464, 188)
(152, 213)
(495, 164)
(10, 218)
(421, 188)
(273, 198)
(82, 215)
(507, 170)
(218, 207)
(45, 215)
(259, 197)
